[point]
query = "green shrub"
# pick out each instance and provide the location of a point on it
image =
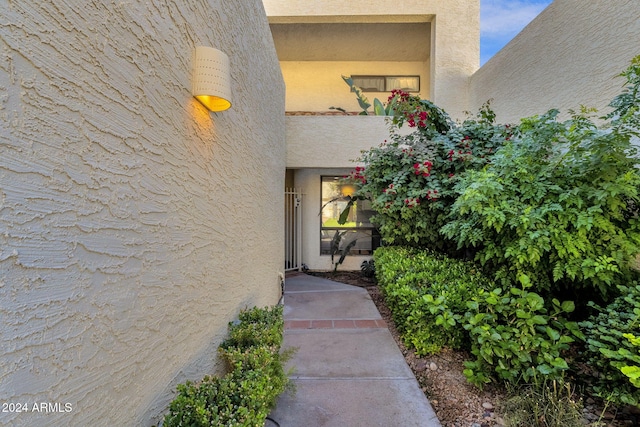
(515, 338)
(555, 201)
(244, 397)
(631, 367)
(612, 350)
(410, 179)
(427, 295)
(558, 203)
(256, 327)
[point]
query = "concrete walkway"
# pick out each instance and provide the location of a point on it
(349, 371)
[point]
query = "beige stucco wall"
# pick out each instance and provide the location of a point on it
(331, 141)
(134, 224)
(567, 57)
(455, 36)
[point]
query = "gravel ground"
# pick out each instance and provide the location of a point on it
(456, 402)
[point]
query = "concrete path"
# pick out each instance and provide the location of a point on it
(348, 370)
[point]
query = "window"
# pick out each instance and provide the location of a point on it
(358, 229)
(387, 83)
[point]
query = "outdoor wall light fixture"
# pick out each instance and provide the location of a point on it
(212, 78)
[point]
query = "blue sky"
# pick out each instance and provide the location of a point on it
(501, 20)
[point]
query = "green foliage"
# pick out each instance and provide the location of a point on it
(368, 268)
(515, 337)
(427, 295)
(543, 404)
(555, 206)
(612, 349)
(244, 397)
(626, 114)
(256, 327)
(632, 370)
(335, 247)
(547, 208)
(410, 179)
(378, 107)
(557, 203)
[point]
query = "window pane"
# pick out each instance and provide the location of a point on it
(369, 83)
(363, 238)
(334, 202)
(407, 84)
(358, 227)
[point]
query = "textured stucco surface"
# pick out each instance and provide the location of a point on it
(331, 141)
(455, 36)
(568, 56)
(134, 224)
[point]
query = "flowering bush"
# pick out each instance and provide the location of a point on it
(547, 202)
(410, 178)
(419, 113)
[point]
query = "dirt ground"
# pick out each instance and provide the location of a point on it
(456, 402)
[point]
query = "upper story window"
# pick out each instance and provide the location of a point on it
(387, 83)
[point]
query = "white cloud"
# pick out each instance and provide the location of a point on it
(505, 18)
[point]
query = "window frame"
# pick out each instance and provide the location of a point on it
(327, 233)
(386, 78)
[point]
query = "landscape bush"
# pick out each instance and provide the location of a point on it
(437, 301)
(245, 396)
(556, 205)
(410, 178)
(516, 338)
(427, 294)
(547, 208)
(612, 349)
(550, 202)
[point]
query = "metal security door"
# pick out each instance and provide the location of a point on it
(292, 229)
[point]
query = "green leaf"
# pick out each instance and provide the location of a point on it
(378, 108)
(568, 306)
(539, 320)
(344, 215)
(553, 334)
(559, 363)
(544, 369)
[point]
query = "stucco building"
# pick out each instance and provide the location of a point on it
(135, 224)
(567, 57)
(431, 48)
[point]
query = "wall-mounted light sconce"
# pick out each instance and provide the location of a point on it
(212, 78)
(347, 190)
